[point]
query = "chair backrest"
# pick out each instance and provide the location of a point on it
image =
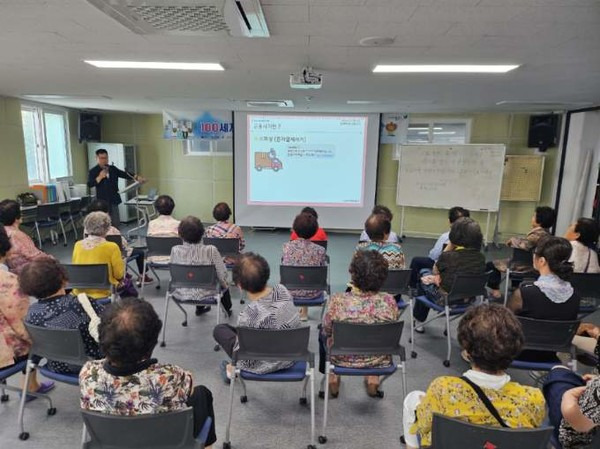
(547, 335)
(226, 247)
(322, 243)
(61, 345)
(85, 202)
(468, 286)
(586, 285)
(366, 339)
(173, 430)
(46, 211)
(396, 282)
(303, 278)
(116, 239)
(75, 206)
(273, 344)
(93, 276)
(193, 276)
(522, 256)
(28, 214)
(161, 246)
(451, 433)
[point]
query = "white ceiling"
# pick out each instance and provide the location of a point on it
(43, 43)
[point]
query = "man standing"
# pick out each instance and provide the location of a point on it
(105, 178)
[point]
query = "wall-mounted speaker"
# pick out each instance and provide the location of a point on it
(543, 131)
(89, 127)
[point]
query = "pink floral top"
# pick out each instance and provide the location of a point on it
(22, 251)
(303, 253)
(359, 307)
(226, 230)
(156, 388)
(14, 340)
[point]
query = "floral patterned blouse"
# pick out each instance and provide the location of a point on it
(226, 230)
(520, 406)
(22, 251)
(303, 253)
(156, 388)
(589, 403)
(359, 307)
(14, 340)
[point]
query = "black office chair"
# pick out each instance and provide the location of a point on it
(306, 278)
(157, 246)
(520, 257)
(192, 276)
(90, 276)
(322, 243)
(587, 286)
(60, 345)
(172, 430)
(465, 286)
(363, 339)
(226, 247)
(450, 433)
(275, 345)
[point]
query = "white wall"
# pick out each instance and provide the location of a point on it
(584, 138)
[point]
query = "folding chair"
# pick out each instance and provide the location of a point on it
(547, 335)
(363, 339)
(28, 216)
(275, 345)
(73, 210)
(396, 284)
(464, 286)
(587, 286)
(520, 257)
(60, 345)
(450, 433)
(172, 430)
(10, 371)
(228, 248)
(322, 243)
(48, 216)
(192, 276)
(157, 246)
(93, 277)
(128, 259)
(306, 278)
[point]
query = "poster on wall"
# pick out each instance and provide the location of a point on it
(393, 128)
(204, 125)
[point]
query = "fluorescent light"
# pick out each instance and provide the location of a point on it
(156, 65)
(363, 102)
(443, 68)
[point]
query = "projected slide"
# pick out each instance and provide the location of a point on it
(306, 160)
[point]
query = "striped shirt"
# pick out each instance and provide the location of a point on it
(391, 252)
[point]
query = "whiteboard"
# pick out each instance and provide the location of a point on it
(443, 176)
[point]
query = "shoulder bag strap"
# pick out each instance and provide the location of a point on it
(486, 401)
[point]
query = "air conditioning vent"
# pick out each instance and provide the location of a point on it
(242, 18)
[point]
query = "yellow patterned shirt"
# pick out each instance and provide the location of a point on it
(520, 406)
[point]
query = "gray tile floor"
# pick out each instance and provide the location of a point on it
(272, 418)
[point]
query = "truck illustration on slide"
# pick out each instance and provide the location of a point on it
(268, 160)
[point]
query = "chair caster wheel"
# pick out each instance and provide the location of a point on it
(184, 324)
(65, 245)
(216, 348)
(379, 394)
(162, 344)
(303, 401)
(311, 446)
(51, 411)
(243, 399)
(157, 287)
(226, 445)
(413, 355)
(242, 301)
(446, 363)
(410, 340)
(402, 439)
(4, 398)
(321, 395)
(322, 439)
(24, 436)
(445, 333)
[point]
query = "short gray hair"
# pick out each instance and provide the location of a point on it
(97, 223)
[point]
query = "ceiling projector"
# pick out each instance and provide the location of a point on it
(306, 79)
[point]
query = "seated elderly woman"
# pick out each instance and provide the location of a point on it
(14, 340)
(223, 228)
(378, 228)
(136, 253)
(23, 249)
(267, 308)
(320, 235)
(365, 304)
(94, 249)
(491, 337)
(128, 381)
(583, 235)
(164, 225)
(194, 252)
(303, 252)
(46, 280)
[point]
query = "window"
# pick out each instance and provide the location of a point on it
(441, 131)
(206, 147)
(45, 132)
